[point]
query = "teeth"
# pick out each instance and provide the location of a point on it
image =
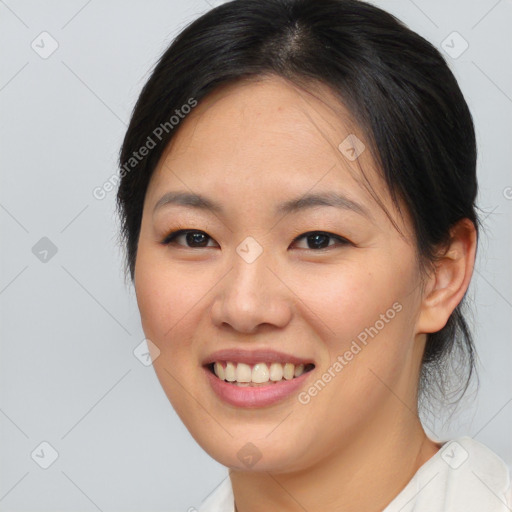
(276, 371)
(230, 372)
(219, 371)
(260, 373)
(243, 372)
(288, 371)
(245, 375)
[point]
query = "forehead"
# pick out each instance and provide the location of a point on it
(270, 137)
(269, 111)
(268, 121)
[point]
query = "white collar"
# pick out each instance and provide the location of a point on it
(463, 476)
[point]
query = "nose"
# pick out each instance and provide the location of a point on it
(251, 297)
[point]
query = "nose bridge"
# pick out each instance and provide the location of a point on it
(251, 294)
(250, 268)
(249, 280)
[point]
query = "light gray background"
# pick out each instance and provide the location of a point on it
(69, 326)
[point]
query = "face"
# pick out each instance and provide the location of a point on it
(259, 277)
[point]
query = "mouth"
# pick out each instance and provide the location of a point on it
(256, 378)
(259, 374)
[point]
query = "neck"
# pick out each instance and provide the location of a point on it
(366, 473)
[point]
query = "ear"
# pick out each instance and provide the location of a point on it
(446, 286)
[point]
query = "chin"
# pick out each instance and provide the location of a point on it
(258, 454)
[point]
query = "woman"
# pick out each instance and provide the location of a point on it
(298, 207)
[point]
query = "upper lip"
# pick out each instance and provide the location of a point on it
(254, 356)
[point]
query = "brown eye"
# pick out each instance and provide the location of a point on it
(318, 240)
(194, 238)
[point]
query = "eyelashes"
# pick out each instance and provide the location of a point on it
(319, 240)
(173, 235)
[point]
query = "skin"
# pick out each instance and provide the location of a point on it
(250, 146)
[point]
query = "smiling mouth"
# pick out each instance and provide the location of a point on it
(259, 374)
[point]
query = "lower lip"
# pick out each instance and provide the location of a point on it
(255, 396)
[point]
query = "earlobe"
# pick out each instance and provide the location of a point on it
(448, 283)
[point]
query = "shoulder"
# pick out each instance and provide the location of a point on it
(220, 499)
(464, 475)
(484, 480)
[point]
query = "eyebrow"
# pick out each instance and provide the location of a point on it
(311, 200)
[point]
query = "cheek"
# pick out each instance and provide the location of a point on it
(166, 293)
(350, 299)
(370, 316)
(168, 300)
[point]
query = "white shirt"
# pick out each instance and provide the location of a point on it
(463, 476)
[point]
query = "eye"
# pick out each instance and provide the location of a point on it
(195, 238)
(315, 240)
(319, 240)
